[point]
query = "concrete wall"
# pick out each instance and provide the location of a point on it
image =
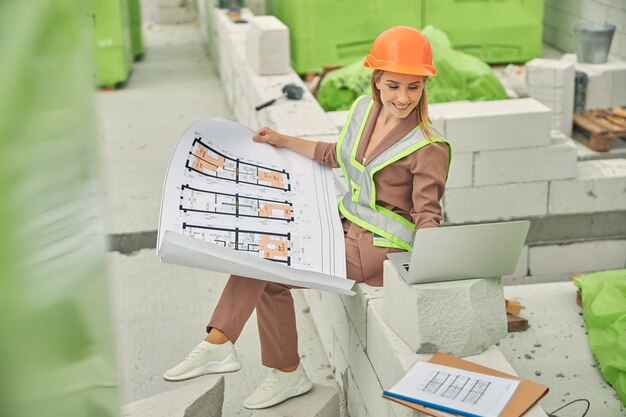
(560, 16)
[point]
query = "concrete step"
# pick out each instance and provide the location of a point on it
(203, 398)
(321, 401)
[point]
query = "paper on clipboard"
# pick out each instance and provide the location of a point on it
(527, 395)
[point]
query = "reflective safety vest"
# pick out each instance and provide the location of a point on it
(359, 204)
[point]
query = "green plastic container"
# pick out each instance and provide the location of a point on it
(134, 21)
(335, 32)
(496, 31)
(114, 56)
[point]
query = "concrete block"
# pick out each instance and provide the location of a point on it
(495, 202)
(577, 257)
(552, 82)
(557, 161)
(389, 354)
(200, 399)
(392, 358)
(356, 403)
(500, 124)
(298, 118)
(366, 379)
(551, 73)
(337, 318)
(321, 401)
(437, 117)
(606, 85)
(322, 322)
(340, 363)
(461, 171)
(267, 46)
(549, 96)
(356, 307)
(458, 317)
(599, 186)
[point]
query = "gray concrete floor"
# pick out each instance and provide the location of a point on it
(554, 351)
(161, 310)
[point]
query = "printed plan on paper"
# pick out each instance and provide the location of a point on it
(454, 390)
(236, 206)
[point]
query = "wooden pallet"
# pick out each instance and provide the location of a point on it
(597, 128)
(516, 323)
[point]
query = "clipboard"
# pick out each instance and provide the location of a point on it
(528, 393)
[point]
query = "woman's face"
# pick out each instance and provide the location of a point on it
(400, 93)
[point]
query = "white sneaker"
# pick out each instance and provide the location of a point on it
(205, 359)
(278, 387)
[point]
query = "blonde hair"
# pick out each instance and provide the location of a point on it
(422, 105)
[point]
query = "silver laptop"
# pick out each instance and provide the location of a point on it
(462, 252)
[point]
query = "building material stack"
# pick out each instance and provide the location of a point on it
(508, 163)
(551, 82)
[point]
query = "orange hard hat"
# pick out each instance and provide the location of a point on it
(404, 50)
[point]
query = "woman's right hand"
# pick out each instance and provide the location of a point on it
(267, 135)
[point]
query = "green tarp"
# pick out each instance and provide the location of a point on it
(459, 77)
(604, 301)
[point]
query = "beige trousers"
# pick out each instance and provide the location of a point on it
(273, 302)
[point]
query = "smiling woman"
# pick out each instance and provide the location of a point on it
(395, 166)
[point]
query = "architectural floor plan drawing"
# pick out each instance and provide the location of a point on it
(271, 246)
(454, 390)
(204, 201)
(207, 161)
(231, 205)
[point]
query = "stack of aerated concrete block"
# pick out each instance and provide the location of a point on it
(552, 83)
(606, 83)
(374, 337)
(504, 157)
(245, 51)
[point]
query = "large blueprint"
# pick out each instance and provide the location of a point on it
(236, 206)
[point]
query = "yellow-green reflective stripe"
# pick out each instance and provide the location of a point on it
(395, 216)
(387, 244)
(359, 134)
(394, 239)
(341, 137)
(401, 155)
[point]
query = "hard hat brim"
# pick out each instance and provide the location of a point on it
(423, 69)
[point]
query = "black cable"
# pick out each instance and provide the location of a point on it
(570, 403)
